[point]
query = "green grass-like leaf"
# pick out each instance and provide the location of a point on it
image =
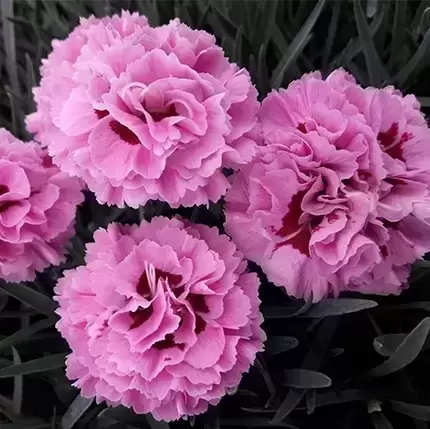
(33, 366)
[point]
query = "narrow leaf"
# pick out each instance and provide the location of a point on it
(407, 351)
(293, 309)
(251, 422)
(29, 296)
(154, 424)
(339, 306)
(386, 345)
(75, 411)
(311, 400)
(9, 45)
(380, 421)
(297, 45)
(291, 401)
(375, 68)
(340, 397)
(276, 345)
(332, 29)
(417, 63)
(266, 19)
(416, 411)
(26, 333)
(17, 385)
(306, 379)
(398, 31)
(238, 53)
(37, 365)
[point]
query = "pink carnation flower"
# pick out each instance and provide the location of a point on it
(338, 199)
(37, 209)
(145, 113)
(163, 318)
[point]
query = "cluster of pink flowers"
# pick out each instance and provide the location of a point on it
(330, 193)
(338, 196)
(37, 209)
(145, 113)
(163, 317)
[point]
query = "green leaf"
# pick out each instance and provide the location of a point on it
(250, 422)
(19, 425)
(407, 351)
(375, 68)
(319, 347)
(154, 424)
(276, 345)
(293, 309)
(417, 63)
(36, 365)
(340, 397)
(75, 411)
(380, 421)
(221, 24)
(266, 19)
(296, 46)
(338, 306)
(294, 396)
(124, 415)
(29, 296)
(332, 29)
(9, 44)
(238, 46)
(371, 8)
(306, 379)
(17, 385)
(397, 32)
(26, 333)
(416, 411)
(387, 344)
(311, 400)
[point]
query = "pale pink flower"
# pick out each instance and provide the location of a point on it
(163, 318)
(37, 209)
(145, 113)
(338, 199)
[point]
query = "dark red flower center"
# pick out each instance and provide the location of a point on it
(168, 343)
(158, 115)
(198, 302)
(4, 205)
(143, 287)
(124, 133)
(140, 316)
(4, 189)
(302, 127)
(297, 235)
(101, 113)
(391, 142)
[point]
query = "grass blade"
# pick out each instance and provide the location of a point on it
(336, 307)
(26, 333)
(331, 34)
(296, 46)
(417, 63)
(29, 296)
(407, 351)
(375, 68)
(6, 8)
(75, 411)
(17, 385)
(36, 365)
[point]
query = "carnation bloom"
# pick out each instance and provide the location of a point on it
(37, 209)
(145, 113)
(338, 197)
(163, 318)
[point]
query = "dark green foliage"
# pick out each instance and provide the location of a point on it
(354, 363)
